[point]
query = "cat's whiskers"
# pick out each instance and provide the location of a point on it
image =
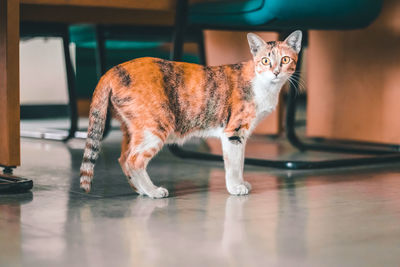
(298, 82)
(294, 85)
(298, 75)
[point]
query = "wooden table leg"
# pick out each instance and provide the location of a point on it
(9, 83)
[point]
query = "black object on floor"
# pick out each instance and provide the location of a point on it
(13, 184)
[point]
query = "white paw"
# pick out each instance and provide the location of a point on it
(159, 192)
(240, 189)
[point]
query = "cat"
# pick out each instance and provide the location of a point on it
(163, 102)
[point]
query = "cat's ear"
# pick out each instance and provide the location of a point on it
(255, 43)
(294, 40)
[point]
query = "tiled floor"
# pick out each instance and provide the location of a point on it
(342, 217)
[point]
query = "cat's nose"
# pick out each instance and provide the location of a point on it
(276, 72)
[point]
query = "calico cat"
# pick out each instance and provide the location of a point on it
(162, 102)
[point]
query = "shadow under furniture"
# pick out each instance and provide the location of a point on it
(284, 17)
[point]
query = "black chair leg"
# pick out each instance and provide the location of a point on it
(100, 57)
(177, 49)
(72, 103)
(201, 47)
(101, 68)
(179, 30)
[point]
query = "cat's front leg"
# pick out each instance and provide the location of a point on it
(233, 150)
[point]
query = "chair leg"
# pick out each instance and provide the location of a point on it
(72, 100)
(201, 47)
(100, 57)
(177, 49)
(101, 68)
(179, 30)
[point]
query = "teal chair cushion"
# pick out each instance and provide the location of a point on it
(83, 35)
(286, 14)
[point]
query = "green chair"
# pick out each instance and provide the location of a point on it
(283, 16)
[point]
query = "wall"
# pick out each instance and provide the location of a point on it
(42, 72)
(354, 81)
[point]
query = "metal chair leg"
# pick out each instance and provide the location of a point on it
(100, 57)
(179, 30)
(72, 103)
(201, 48)
(101, 69)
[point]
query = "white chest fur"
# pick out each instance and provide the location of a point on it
(266, 96)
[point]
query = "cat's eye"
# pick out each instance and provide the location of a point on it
(265, 61)
(285, 60)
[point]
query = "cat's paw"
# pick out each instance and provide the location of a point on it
(158, 192)
(240, 189)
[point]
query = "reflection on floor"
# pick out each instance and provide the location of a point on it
(341, 217)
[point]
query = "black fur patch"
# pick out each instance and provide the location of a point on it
(237, 66)
(238, 128)
(96, 130)
(235, 139)
(160, 127)
(229, 111)
(244, 87)
(129, 115)
(211, 105)
(272, 44)
(89, 160)
(246, 91)
(123, 75)
(120, 101)
(95, 114)
(167, 112)
(173, 78)
(93, 148)
(94, 134)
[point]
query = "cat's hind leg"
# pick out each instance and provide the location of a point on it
(124, 155)
(233, 152)
(142, 149)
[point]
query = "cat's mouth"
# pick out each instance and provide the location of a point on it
(275, 80)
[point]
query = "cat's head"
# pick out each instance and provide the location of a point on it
(275, 61)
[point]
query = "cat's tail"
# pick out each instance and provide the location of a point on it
(97, 120)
